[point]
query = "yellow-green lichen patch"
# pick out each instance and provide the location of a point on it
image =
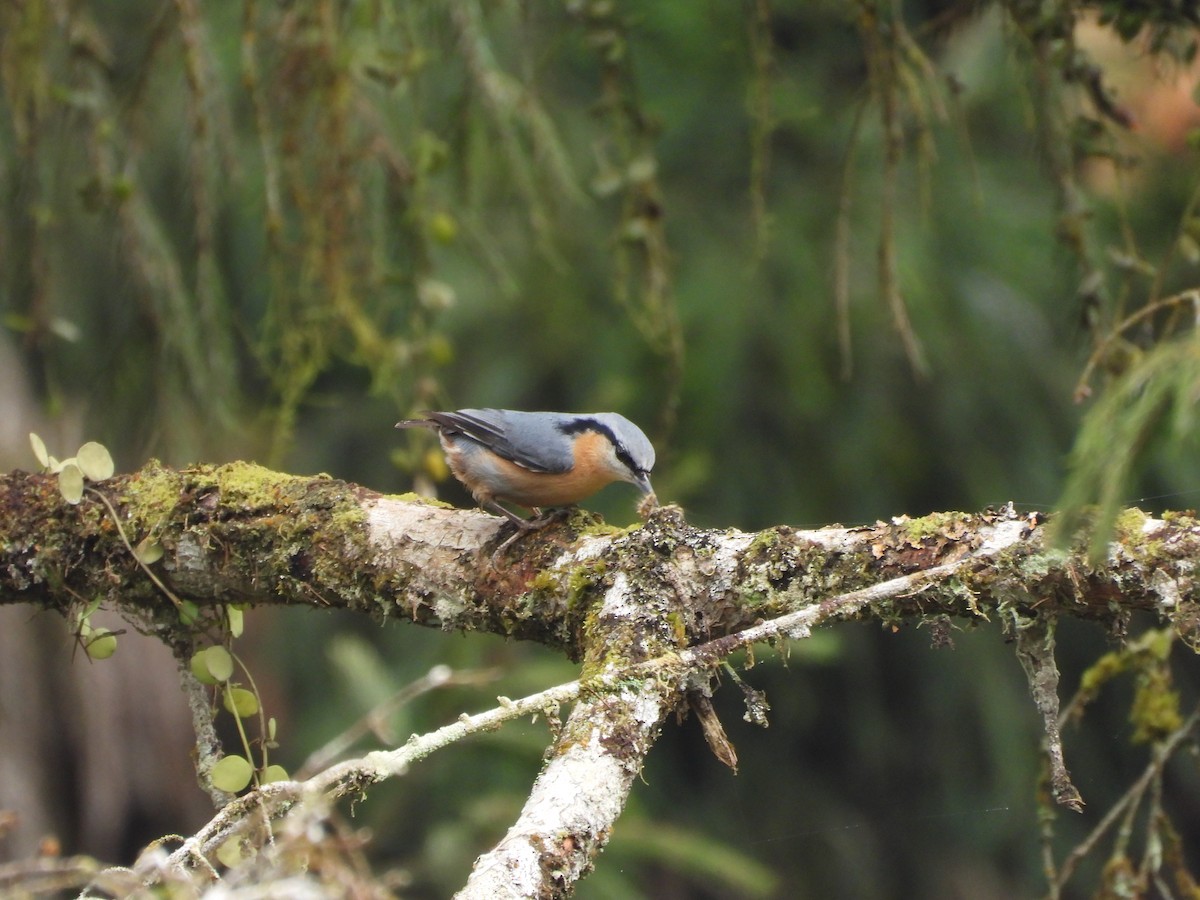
(1181, 519)
(764, 543)
(771, 556)
(951, 525)
(678, 627)
(150, 494)
(348, 515)
(581, 579)
(544, 582)
(1129, 521)
(251, 486)
(413, 497)
(1129, 530)
(778, 570)
(1155, 711)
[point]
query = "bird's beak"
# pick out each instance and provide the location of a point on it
(649, 502)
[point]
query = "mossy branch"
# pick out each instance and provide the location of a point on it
(239, 533)
(652, 612)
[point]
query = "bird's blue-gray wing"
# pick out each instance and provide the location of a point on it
(530, 439)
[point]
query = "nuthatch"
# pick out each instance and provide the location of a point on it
(536, 459)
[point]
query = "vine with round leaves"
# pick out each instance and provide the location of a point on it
(214, 665)
(91, 462)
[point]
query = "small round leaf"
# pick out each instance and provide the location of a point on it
(230, 853)
(101, 644)
(189, 612)
(231, 773)
(70, 483)
(236, 620)
(241, 702)
(39, 450)
(199, 667)
(274, 773)
(148, 551)
(219, 662)
(95, 461)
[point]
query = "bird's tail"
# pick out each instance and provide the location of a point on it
(416, 423)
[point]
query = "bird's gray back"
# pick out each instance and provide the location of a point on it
(534, 440)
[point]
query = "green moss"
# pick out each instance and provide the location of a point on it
(770, 553)
(1129, 529)
(933, 525)
(543, 583)
(1155, 711)
(411, 497)
(1181, 519)
(319, 511)
(251, 486)
(766, 542)
(678, 626)
(754, 599)
(347, 517)
(581, 579)
(588, 524)
(1103, 670)
(1129, 522)
(152, 492)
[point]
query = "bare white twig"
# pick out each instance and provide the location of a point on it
(438, 677)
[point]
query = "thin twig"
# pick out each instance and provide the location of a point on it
(1133, 796)
(1082, 389)
(438, 677)
(145, 568)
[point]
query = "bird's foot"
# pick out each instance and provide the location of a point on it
(537, 522)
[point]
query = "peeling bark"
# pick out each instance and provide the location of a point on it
(1035, 650)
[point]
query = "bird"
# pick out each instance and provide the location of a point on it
(539, 459)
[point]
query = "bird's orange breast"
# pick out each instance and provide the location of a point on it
(489, 476)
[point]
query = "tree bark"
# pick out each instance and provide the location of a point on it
(649, 611)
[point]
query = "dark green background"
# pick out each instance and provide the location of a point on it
(890, 769)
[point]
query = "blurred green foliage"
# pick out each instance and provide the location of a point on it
(843, 261)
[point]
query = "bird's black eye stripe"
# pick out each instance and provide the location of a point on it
(624, 457)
